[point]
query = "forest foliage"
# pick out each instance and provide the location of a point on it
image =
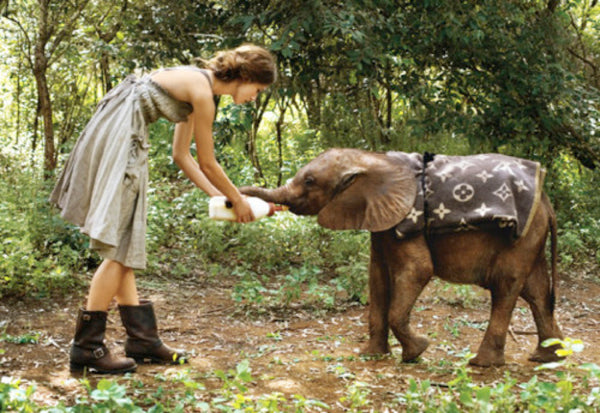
(457, 77)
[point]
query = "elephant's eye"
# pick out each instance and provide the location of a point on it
(309, 181)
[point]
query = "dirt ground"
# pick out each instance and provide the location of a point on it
(294, 350)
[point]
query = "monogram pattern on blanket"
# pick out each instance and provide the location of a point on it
(462, 193)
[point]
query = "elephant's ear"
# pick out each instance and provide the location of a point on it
(374, 196)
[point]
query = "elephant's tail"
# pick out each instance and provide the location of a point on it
(553, 252)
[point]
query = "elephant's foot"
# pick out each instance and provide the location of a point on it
(375, 348)
(488, 358)
(413, 349)
(545, 354)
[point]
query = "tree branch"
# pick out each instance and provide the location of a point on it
(552, 4)
(67, 28)
(588, 62)
(27, 40)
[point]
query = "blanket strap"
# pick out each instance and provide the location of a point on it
(427, 157)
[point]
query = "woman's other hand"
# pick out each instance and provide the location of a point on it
(243, 211)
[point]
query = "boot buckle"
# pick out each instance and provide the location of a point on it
(98, 353)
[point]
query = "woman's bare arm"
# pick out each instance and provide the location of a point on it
(182, 156)
(202, 125)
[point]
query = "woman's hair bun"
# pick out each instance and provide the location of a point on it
(248, 62)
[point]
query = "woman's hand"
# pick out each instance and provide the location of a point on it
(242, 210)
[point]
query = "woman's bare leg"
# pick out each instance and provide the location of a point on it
(112, 279)
(127, 293)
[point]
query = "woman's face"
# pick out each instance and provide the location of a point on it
(247, 92)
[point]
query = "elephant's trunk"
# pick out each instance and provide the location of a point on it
(278, 195)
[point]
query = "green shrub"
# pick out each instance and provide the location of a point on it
(573, 191)
(40, 252)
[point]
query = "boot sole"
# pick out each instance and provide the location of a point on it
(145, 359)
(80, 368)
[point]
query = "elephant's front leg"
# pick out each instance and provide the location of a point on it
(411, 269)
(379, 301)
(399, 271)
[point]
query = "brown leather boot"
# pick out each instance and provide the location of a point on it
(88, 349)
(143, 343)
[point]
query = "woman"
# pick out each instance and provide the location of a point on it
(102, 188)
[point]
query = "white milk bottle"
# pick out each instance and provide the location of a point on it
(221, 209)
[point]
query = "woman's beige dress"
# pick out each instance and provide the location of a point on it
(102, 188)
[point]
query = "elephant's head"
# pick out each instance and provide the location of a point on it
(348, 189)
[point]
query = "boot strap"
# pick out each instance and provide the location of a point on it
(98, 353)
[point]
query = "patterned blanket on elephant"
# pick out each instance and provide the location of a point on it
(462, 193)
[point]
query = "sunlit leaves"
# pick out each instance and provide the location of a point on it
(568, 347)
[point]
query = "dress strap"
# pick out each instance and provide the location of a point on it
(205, 73)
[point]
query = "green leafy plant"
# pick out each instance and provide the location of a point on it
(111, 396)
(464, 395)
(236, 380)
(15, 398)
(353, 278)
(357, 394)
(28, 338)
(568, 347)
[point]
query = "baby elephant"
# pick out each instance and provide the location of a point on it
(480, 219)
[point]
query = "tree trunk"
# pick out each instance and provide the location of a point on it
(312, 100)
(105, 73)
(388, 89)
(34, 135)
(18, 98)
(40, 65)
(261, 106)
(108, 36)
(46, 113)
(278, 128)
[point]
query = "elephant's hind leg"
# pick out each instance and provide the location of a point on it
(537, 293)
(505, 292)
